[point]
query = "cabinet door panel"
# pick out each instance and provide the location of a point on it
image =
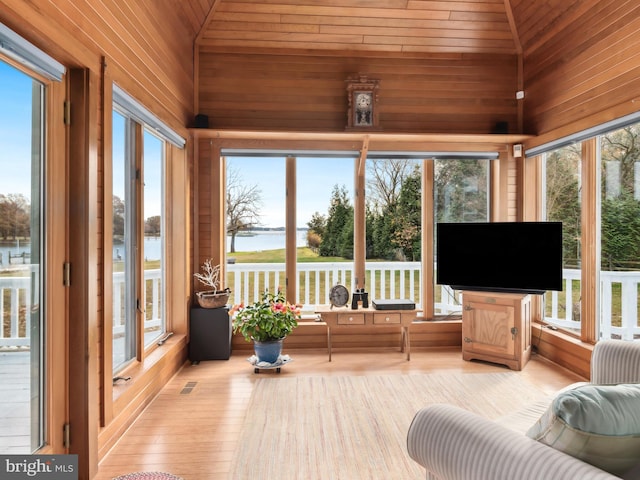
(488, 329)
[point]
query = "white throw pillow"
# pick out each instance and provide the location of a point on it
(599, 424)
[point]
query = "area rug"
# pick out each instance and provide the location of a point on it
(355, 427)
(147, 476)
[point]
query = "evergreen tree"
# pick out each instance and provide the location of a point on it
(620, 208)
(563, 200)
(408, 219)
(620, 233)
(339, 218)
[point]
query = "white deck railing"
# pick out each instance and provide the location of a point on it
(383, 280)
(152, 319)
(619, 289)
(15, 302)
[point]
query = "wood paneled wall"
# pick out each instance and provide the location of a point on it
(149, 53)
(419, 93)
(583, 69)
(151, 48)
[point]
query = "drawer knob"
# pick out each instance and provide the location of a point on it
(386, 319)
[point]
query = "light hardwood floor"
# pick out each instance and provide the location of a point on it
(193, 433)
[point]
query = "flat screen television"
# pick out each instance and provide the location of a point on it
(500, 256)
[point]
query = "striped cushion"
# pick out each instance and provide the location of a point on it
(615, 361)
(599, 424)
(452, 443)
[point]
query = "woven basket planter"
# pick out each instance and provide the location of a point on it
(213, 298)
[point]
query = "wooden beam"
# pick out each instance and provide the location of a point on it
(84, 412)
(291, 249)
(56, 307)
(359, 220)
(457, 142)
(513, 26)
(106, 370)
(589, 272)
(427, 239)
(217, 207)
(207, 21)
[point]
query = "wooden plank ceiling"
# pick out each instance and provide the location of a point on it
(387, 26)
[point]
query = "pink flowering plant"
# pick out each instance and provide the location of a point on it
(271, 318)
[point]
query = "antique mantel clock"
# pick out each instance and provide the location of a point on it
(362, 97)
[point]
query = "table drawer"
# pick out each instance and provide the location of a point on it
(386, 318)
(351, 319)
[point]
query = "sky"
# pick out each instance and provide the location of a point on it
(15, 143)
(152, 167)
(316, 179)
(315, 182)
(15, 131)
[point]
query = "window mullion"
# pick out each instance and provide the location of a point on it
(130, 238)
(138, 239)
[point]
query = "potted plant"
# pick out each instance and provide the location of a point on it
(215, 297)
(266, 323)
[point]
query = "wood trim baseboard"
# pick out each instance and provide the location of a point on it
(562, 348)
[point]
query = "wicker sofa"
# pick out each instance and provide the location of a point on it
(452, 443)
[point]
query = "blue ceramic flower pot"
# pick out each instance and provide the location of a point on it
(268, 351)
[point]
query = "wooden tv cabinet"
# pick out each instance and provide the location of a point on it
(496, 327)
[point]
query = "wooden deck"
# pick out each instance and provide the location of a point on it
(196, 436)
(15, 410)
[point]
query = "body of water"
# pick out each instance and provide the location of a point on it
(257, 241)
(14, 247)
(265, 241)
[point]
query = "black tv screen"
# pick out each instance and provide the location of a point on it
(500, 256)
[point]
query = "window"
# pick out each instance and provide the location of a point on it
(394, 227)
(138, 240)
(154, 237)
(30, 242)
(123, 334)
(562, 193)
(331, 215)
(620, 233)
(324, 210)
(255, 225)
(461, 194)
(592, 184)
(22, 261)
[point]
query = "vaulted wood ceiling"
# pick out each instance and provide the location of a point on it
(384, 26)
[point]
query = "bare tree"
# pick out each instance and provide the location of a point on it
(384, 180)
(243, 205)
(14, 215)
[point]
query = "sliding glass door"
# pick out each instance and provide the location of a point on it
(21, 262)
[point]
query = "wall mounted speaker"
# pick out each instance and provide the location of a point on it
(202, 121)
(501, 127)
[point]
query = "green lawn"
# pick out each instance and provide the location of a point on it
(304, 254)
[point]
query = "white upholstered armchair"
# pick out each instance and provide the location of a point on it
(452, 443)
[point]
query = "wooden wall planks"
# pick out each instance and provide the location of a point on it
(150, 49)
(438, 94)
(584, 64)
